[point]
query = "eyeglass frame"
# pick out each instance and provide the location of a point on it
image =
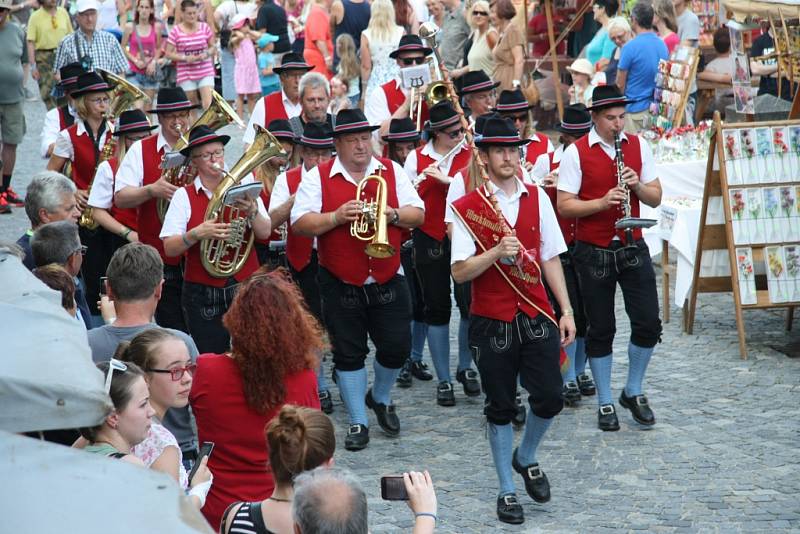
(100, 100)
(113, 365)
(179, 371)
(481, 13)
(208, 156)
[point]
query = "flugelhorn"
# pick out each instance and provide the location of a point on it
(371, 223)
(627, 222)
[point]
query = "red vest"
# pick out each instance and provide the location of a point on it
(126, 216)
(195, 272)
(148, 223)
(273, 108)
(492, 295)
(298, 247)
(84, 160)
(599, 174)
(339, 252)
(536, 148)
(567, 225)
(434, 193)
(275, 235)
(65, 118)
(396, 98)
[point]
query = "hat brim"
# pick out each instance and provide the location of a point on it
(410, 138)
(621, 103)
(316, 147)
(572, 131)
(425, 50)
(527, 106)
(136, 130)
(484, 144)
(494, 85)
(576, 71)
(355, 130)
(186, 152)
(186, 107)
(281, 70)
(75, 93)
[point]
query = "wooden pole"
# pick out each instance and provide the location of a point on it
(548, 10)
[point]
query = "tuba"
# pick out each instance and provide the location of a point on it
(371, 225)
(627, 222)
(222, 258)
(218, 114)
(437, 89)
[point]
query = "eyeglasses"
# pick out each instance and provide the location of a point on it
(480, 14)
(82, 249)
(100, 100)
(114, 365)
(518, 118)
(454, 134)
(412, 60)
(176, 373)
(208, 156)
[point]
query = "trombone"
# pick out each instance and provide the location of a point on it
(437, 89)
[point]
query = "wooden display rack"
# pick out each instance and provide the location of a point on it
(720, 237)
(691, 61)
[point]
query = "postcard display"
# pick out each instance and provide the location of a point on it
(755, 168)
(673, 83)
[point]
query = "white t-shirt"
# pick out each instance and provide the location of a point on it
(102, 194)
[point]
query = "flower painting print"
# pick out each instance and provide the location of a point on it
(746, 276)
(738, 216)
(776, 274)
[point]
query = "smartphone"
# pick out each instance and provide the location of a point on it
(205, 450)
(393, 489)
(104, 285)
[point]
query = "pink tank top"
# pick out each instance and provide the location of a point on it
(148, 46)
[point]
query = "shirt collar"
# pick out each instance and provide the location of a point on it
(198, 186)
(338, 168)
(428, 150)
(521, 189)
(161, 142)
(81, 128)
(594, 138)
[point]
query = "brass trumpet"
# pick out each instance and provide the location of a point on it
(371, 224)
(437, 89)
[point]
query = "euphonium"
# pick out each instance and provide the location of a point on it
(218, 114)
(371, 225)
(222, 258)
(627, 222)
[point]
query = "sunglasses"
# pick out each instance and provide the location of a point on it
(454, 134)
(518, 118)
(176, 373)
(412, 60)
(480, 13)
(114, 365)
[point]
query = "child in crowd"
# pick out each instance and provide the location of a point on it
(244, 52)
(266, 62)
(580, 92)
(349, 69)
(339, 98)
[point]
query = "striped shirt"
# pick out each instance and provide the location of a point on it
(192, 44)
(248, 520)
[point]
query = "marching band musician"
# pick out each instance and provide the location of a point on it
(589, 189)
(283, 104)
(206, 298)
(433, 166)
(514, 106)
(120, 222)
(400, 142)
(505, 238)
(82, 144)
(139, 184)
(361, 296)
(576, 123)
(314, 148)
(478, 93)
(62, 117)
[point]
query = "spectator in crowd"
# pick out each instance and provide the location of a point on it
(57, 278)
(638, 66)
(246, 74)
(50, 198)
(271, 18)
(481, 42)
(315, 98)
(319, 45)
(665, 23)
(435, 12)
(378, 41)
(580, 92)
(58, 242)
(339, 98)
(767, 70)
(47, 26)
(405, 16)
(689, 35)
(620, 32)
(135, 278)
(537, 31)
(350, 17)
(720, 69)
(295, 16)
(349, 70)
(111, 15)
(601, 45)
(92, 49)
(223, 17)
(141, 43)
(453, 35)
(235, 395)
(12, 101)
(190, 46)
(270, 82)
(299, 439)
(509, 52)
(62, 117)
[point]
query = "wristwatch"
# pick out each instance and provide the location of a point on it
(395, 217)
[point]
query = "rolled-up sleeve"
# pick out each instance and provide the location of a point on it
(569, 171)
(308, 198)
(178, 215)
(101, 195)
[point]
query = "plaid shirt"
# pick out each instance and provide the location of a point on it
(104, 52)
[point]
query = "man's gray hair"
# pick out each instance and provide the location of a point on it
(642, 14)
(329, 501)
(46, 190)
(55, 242)
(314, 80)
(134, 272)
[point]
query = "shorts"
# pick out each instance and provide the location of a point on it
(194, 85)
(12, 123)
(144, 81)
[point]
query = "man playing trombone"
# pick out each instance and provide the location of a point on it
(362, 295)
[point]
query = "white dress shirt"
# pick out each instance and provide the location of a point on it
(552, 241)
(257, 116)
(101, 195)
(457, 190)
(541, 167)
(51, 127)
(376, 109)
(64, 148)
(569, 171)
(180, 210)
(131, 170)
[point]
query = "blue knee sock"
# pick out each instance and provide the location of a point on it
(464, 354)
(638, 358)
(439, 345)
(535, 428)
(419, 331)
(353, 386)
(601, 371)
(382, 385)
(580, 355)
(322, 383)
(501, 440)
(569, 373)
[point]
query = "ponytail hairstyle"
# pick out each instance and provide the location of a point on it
(141, 349)
(120, 392)
(299, 439)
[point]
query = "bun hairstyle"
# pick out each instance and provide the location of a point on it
(141, 349)
(120, 392)
(299, 439)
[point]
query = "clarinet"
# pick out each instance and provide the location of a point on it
(625, 206)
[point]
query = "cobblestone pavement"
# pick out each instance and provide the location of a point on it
(723, 456)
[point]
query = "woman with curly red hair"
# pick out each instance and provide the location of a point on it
(272, 362)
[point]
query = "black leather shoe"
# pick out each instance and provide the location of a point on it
(386, 415)
(536, 483)
(325, 401)
(357, 438)
(586, 385)
(420, 371)
(445, 395)
(509, 510)
(639, 407)
(469, 380)
(607, 418)
(404, 378)
(521, 415)
(570, 393)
